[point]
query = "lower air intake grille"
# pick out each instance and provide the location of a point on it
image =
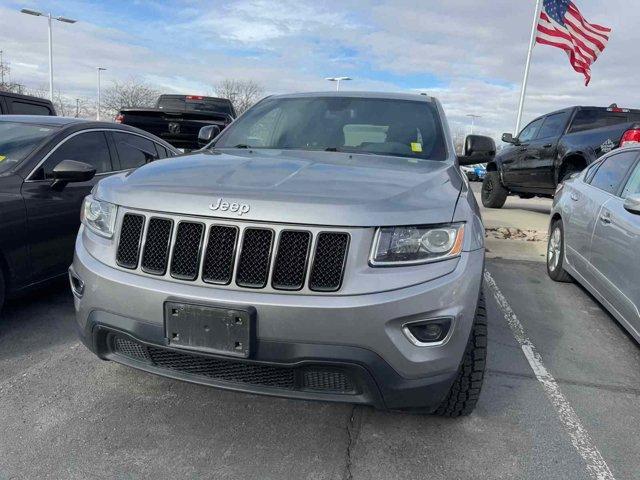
(220, 255)
(156, 246)
(319, 378)
(128, 348)
(129, 246)
(227, 370)
(291, 261)
(327, 380)
(329, 262)
(255, 258)
(186, 251)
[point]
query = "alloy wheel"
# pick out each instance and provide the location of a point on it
(554, 249)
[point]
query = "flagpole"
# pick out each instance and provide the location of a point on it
(532, 42)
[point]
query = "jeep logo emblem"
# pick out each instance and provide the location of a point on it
(239, 208)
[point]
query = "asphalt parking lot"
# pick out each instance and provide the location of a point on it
(66, 414)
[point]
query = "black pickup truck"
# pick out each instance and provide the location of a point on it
(177, 119)
(554, 146)
(16, 104)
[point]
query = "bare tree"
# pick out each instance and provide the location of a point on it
(242, 93)
(132, 93)
(6, 84)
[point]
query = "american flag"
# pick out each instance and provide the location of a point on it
(562, 25)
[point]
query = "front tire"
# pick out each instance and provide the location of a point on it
(465, 391)
(494, 195)
(555, 253)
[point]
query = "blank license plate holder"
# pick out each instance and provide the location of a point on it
(211, 329)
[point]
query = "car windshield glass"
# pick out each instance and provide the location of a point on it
(18, 140)
(403, 128)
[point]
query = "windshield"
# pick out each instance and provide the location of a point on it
(18, 140)
(194, 104)
(403, 128)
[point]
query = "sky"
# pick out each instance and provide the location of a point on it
(468, 53)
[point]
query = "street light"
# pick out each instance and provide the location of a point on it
(98, 70)
(473, 119)
(49, 18)
(338, 80)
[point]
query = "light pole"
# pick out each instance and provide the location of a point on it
(98, 70)
(473, 120)
(338, 80)
(49, 18)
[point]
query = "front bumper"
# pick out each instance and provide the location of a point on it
(358, 338)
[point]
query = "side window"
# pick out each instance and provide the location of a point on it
(589, 118)
(529, 132)
(162, 152)
(89, 147)
(553, 125)
(24, 108)
(134, 150)
(593, 168)
(633, 185)
(613, 170)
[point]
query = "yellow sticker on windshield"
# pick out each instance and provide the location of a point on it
(2, 157)
(416, 147)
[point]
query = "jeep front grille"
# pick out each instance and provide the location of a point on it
(328, 264)
(255, 257)
(186, 251)
(291, 262)
(220, 254)
(247, 256)
(156, 246)
(129, 246)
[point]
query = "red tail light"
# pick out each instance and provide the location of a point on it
(194, 97)
(119, 118)
(630, 137)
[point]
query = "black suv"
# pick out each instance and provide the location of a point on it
(553, 147)
(47, 166)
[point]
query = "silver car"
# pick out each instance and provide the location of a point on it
(323, 246)
(594, 235)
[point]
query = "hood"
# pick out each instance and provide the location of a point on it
(286, 186)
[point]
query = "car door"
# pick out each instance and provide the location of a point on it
(581, 204)
(616, 243)
(513, 165)
(53, 217)
(539, 158)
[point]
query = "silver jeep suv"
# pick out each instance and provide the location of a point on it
(324, 246)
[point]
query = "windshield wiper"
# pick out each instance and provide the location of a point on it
(332, 149)
(242, 145)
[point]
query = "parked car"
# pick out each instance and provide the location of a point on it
(553, 147)
(595, 234)
(47, 167)
(324, 246)
(178, 118)
(16, 104)
(475, 173)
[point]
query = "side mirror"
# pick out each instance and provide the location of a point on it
(208, 133)
(478, 149)
(632, 204)
(508, 138)
(69, 171)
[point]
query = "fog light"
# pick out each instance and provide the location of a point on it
(77, 285)
(428, 332)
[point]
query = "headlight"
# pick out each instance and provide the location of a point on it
(414, 245)
(98, 216)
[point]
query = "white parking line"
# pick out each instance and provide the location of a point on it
(580, 438)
